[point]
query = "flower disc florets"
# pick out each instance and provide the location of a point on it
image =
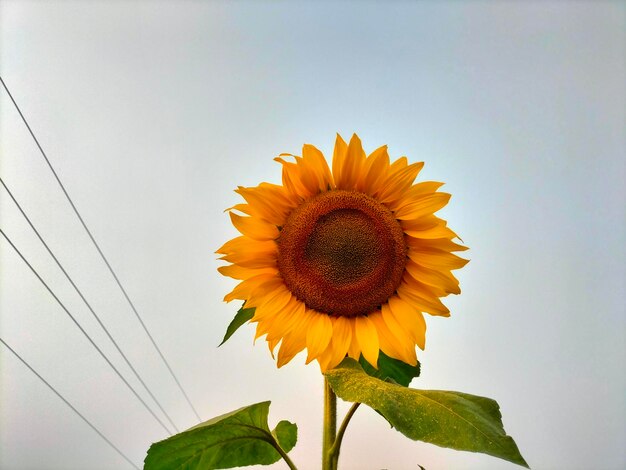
(342, 253)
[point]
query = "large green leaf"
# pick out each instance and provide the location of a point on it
(447, 419)
(243, 315)
(391, 369)
(236, 439)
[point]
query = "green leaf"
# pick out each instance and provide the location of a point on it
(447, 419)
(235, 439)
(390, 368)
(243, 315)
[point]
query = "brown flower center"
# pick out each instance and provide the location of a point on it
(342, 253)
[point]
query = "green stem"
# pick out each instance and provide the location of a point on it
(330, 427)
(284, 455)
(334, 450)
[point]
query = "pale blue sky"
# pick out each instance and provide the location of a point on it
(152, 112)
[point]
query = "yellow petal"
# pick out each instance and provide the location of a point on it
(399, 183)
(289, 347)
(421, 302)
(415, 191)
(354, 350)
(295, 341)
(286, 319)
(410, 318)
(238, 272)
(273, 304)
(340, 341)
(318, 336)
(315, 160)
(293, 182)
(393, 169)
(254, 228)
(401, 349)
(267, 201)
(263, 291)
(434, 244)
(244, 289)
(437, 259)
(423, 205)
(249, 253)
(396, 329)
(245, 208)
(375, 172)
(437, 231)
(432, 277)
(352, 165)
(339, 157)
(367, 336)
(274, 325)
(243, 243)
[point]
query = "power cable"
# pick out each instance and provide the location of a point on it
(88, 304)
(70, 405)
(69, 199)
(84, 332)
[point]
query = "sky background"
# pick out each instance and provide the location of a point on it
(153, 112)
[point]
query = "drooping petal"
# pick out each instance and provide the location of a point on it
(340, 341)
(318, 336)
(294, 341)
(290, 346)
(410, 318)
(367, 336)
(396, 329)
(354, 350)
(402, 349)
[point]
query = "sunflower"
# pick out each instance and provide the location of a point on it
(343, 262)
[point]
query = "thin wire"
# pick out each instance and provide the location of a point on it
(87, 304)
(69, 404)
(69, 199)
(84, 332)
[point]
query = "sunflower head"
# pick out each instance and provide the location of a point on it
(343, 262)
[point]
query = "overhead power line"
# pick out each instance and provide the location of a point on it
(88, 304)
(85, 333)
(119, 284)
(69, 404)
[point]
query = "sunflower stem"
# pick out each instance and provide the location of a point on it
(330, 428)
(334, 450)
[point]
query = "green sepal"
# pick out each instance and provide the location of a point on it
(391, 369)
(243, 315)
(235, 439)
(448, 419)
